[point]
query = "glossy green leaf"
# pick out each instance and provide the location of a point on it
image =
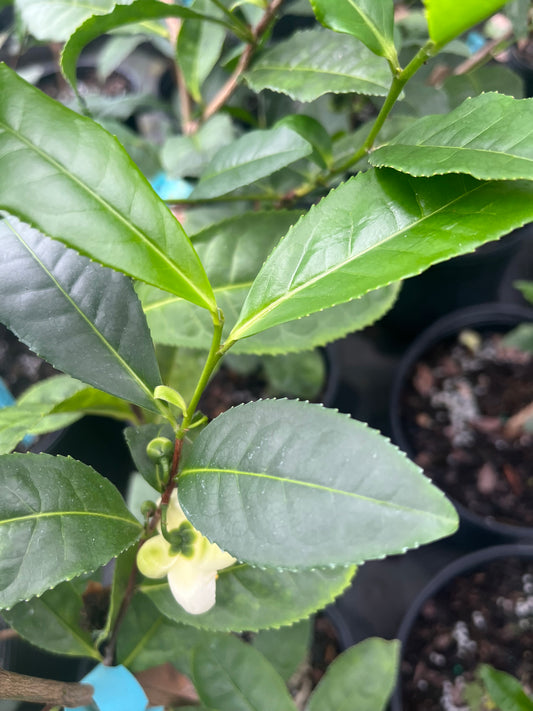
(378, 227)
(474, 139)
(68, 177)
(148, 638)
(371, 21)
(251, 157)
(316, 62)
(53, 621)
(446, 20)
(31, 414)
(362, 678)
(198, 48)
(249, 599)
(121, 14)
(90, 325)
(231, 675)
(286, 483)
(232, 252)
(285, 648)
(90, 401)
(505, 690)
(187, 156)
(55, 19)
(58, 519)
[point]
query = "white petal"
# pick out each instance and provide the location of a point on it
(193, 589)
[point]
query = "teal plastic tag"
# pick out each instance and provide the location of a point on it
(115, 689)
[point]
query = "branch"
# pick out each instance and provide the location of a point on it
(244, 61)
(19, 687)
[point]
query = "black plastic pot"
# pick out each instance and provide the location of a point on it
(463, 281)
(462, 566)
(521, 61)
(484, 317)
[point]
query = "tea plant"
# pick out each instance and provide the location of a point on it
(258, 518)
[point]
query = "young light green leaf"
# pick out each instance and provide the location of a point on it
(55, 20)
(371, 21)
(53, 621)
(251, 157)
(362, 678)
(148, 638)
(89, 401)
(446, 20)
(474, 139)
(121, 14)
(505, 690)
(198, 48)
(286, 647)
(77, 184)
(249, 598)
(286, 483)
(31, 413)
(163, 392)
(353, 241)
(232, 252)
(231, 675)
(108, 343)
(58, 519)
(316, 62)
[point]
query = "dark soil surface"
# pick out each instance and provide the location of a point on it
(465, 413)
(484, 616)
(89, 84)
(228, 389)
(19, 367)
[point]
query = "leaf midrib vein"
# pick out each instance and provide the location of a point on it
(306, 484)
(106, 205)
(245, 326)
(63, 514)
(92, 326)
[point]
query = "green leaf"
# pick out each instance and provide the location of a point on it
(295, 375)
(187, 156)
(371, 21)
(233, 251)
(58, 519)
(121, 14)
(56, 19)
(108, 343)
(90, 401)
(520, 337)
(198, 48)
(313, 132)
(86, 192)
(286, 483)
(362, 678)
(446, 20)
(491, 77)
(31, 413)
(504, 690)
(251, 157)
(231, 675)
(474, 139)
(148, 638)
(53, 621)
(526, 289)
(250, 599)
(351, 242)
(316, 62)
(286, 647)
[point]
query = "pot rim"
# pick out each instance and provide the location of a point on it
(464, 564)
(485, 316)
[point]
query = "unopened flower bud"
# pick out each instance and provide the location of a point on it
(159, 448)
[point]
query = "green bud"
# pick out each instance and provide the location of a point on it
(160, 448)
(148, 508)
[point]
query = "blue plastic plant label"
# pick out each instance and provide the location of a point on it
(115, 689)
